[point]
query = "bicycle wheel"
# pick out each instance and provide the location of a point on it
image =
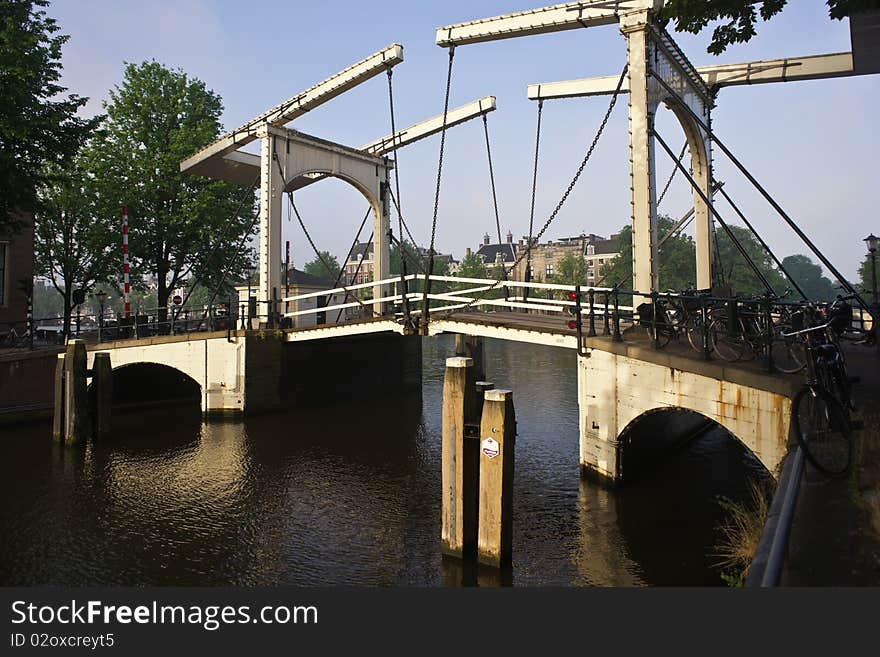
(663, 335)
(726, 344)
(822, 431)
(694, 330)
(788, 353)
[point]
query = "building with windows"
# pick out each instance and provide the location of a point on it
(505, 253)
(594, 249)
(16, 274)
(598, 251)
(359, 266)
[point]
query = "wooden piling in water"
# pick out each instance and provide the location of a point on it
(471, 346)
(102, 386)
(58, 409)
(497, 431)
(458, 486)
(75, 423)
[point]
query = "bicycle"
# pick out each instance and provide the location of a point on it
(751, 331)
(13, 338)
(820, 409)
(677, 314)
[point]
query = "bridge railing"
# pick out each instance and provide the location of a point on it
(475, 294)
(94, 328)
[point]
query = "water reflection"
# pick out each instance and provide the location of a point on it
(348, 494)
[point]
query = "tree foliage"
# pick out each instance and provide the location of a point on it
(677, 260)
(182, 228)
(38, 127)
(570, 269)
(73, 248)
(867, 284)
(808, 276)
(739, 17)
(678, 264)
(472, 267)
(317, 266)
(734, 269)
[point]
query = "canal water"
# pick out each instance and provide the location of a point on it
(350, 494)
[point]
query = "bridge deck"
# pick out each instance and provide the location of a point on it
(552, 330)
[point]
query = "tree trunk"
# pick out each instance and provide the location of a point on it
(68, 310)
(162, 299)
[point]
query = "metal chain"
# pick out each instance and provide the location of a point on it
(354, 275)
(437, 190)
(400, 244)
(534, 189)
(403, 284)
(565, 196)
(672, 175)
(492, 182)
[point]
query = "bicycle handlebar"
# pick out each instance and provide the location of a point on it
(808, 330)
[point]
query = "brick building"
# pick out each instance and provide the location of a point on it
(16, 270)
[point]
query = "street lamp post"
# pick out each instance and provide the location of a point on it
(872, 241)
(101, 296)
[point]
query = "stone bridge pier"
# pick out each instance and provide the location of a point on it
(620, 386)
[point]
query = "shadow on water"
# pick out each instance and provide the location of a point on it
(348, 494)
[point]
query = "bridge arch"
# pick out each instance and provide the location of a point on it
(214, 363)
(660, 431)
(617, 387)
(148, 382)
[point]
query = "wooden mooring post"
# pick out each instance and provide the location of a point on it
(498, 435)
(75, 415)
(471, 346)
(102, 393)
(458, 472)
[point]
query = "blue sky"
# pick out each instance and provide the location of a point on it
(812, 144)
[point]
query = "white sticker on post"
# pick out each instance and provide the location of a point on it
(489, 447)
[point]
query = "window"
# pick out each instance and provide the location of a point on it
(2, 273)
(549, 269)
(601, 261)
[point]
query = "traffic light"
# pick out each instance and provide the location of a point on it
(79, 296)
(575, 323)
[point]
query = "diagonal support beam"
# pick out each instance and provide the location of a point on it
(432, 126)
(240, 167)
(567, 16)
(790, 69)
(296, 106)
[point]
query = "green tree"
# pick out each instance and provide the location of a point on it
(180, 226)
(734, 269)
(741, 16)
(808, 276)
(316, 266)
(472, 267)
(677, 260)
(73, 247)
(38, 126)
(866, 275)
(414, 262)
(570, 269)
(48, 303)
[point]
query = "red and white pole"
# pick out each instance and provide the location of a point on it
(126, 283)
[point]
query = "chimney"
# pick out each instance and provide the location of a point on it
(509, 237)
(486, 239)
(467, 252)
